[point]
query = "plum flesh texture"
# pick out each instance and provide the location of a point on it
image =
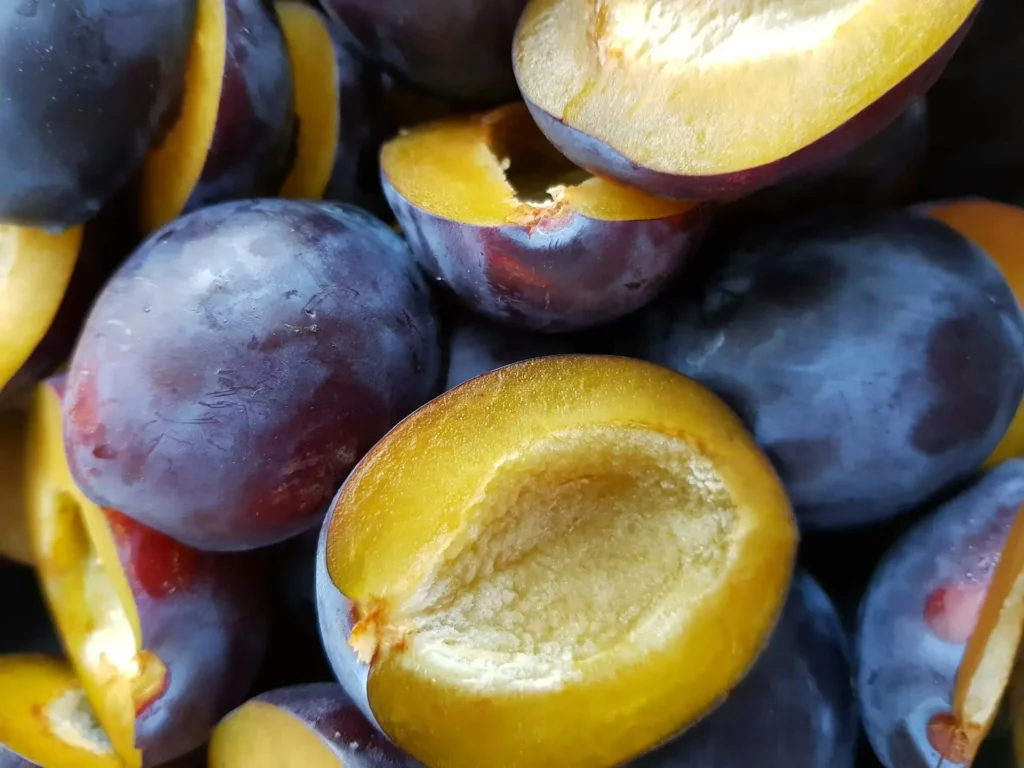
(920, 610)
(795, 708)
(316, 723)
(877, 360)
(239, 364)
(460, 49)
(88, 85)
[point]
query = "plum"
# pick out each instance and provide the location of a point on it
(550, 555)
(700, 101)
(460, 49)
(165, 639)
(87, 85)
(940, 624)
(521, 235)
(317, 724)
(877, 359)
(241, 361)
(795, 708)
(235, 134)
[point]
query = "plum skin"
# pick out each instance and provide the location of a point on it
(88, 87)
(565, 274)
(869, 398)
(796, 706)
(277, 341)
(459, 49)
(603, 160)
(906, 672)
(205, 618)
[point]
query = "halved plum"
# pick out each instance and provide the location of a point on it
(335, 94)
(45, 717)
(551, 555)
(998, 229)
(235, 131)
(520, 234)
(940, 626)
(698, 101)
(165, 639)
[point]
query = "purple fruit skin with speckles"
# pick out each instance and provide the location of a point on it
(877, 360)
(795, 708)
(327, 710)
(905, 671)
(240, 362)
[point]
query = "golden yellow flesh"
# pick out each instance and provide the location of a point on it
(692, 87)
(35, 269)
(311, 50)
(598, 520)
(45, 717)
(173, 168)
(85, 585)
(497, 169)
(259, 735)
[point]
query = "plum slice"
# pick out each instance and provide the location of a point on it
(940, 626)
(235, 131)
(46, 720)
(520, 234)
(698, 100)
(165, 639)
(550, 554)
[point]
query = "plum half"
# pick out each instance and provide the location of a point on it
(315, 726)
(551, 555)
(87, 86)
(240, 362)
(520, 234)
(235, 132)
(940, 626)
(46, 720)
(795, 709)
(877, 359)
(165, 639)
(698, 100)
(998, 229)
(334, 100)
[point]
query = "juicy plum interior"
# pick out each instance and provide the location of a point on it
(498, 169)
(260, 735)
(46, 717)
(573, 552)
(689, 87)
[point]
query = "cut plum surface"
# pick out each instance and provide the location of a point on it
(46, 719)
(519, 233)
(698, 100)
(560, 589)
(165, 639)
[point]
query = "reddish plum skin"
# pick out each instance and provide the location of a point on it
(601, 159)
(906, 671)
(459, 49)
(255, 132)
(795, 708)
(566, 274)
(203, 615)
(88, 86)
(240, 362)
(330, 713)
(877, 360)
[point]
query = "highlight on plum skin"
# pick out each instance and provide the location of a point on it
(585, 469)
(795, 707)
(519, 234)
(921, 611)
(164, 638)
(259, 349)
(853, 385)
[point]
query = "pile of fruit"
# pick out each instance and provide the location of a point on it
(511, 383)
